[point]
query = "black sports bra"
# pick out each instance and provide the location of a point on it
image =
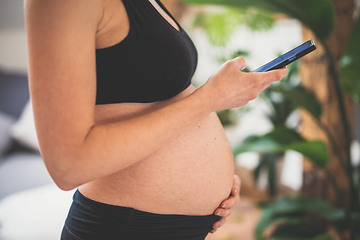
(153, 63)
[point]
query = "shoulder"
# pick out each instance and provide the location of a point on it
(60, 5)
(65, 11)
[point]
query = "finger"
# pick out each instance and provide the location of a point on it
(239, 63)
(234, 195)
(218, 224)
(236, 185)
(228, 203)
(265, 78)
(278, 74)
(223, 212)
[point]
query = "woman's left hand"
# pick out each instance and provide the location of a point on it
(226, 207)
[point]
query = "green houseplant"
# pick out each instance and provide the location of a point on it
(304, 217)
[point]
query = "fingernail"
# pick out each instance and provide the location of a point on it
(219, 213)
(224, 205)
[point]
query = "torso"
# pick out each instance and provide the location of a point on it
(191, 174)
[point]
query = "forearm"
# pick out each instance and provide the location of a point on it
(112, 147)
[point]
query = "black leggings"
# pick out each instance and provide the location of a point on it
(91, 220)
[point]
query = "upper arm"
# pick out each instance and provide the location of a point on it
(62, 73)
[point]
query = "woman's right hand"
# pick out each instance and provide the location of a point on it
(231, 88)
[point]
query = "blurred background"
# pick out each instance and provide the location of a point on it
(296, 146)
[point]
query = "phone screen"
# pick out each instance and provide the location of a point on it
(288, 57)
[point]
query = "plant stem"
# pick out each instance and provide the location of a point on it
(334, 145)
(341, 200)
(336, 188)
(346, 129)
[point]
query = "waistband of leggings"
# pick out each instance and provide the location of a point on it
(115, 209)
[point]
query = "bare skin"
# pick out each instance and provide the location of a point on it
(164, 157)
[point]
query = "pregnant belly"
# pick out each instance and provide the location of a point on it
(191, 175)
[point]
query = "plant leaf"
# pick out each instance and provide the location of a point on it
(303, 98)
(317, 15)
(294, 213)
(323, 237)
(316, 151)
(320, 237)
(220, 25)
(282, 139)
(289, 205)
(350, 64)
(299, 230)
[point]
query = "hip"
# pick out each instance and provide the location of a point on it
(91, 220)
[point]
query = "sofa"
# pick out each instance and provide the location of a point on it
(21, 166)
(31, 205)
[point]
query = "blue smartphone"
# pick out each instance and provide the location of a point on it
(288, 57)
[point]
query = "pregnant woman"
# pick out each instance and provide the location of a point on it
(117, 117)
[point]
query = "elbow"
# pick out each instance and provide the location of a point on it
(69, 165)
(65, 175)
(64, 181)
(66, 161)
(65, 185)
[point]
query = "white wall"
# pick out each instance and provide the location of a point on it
(11, 14)
(13, 50)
